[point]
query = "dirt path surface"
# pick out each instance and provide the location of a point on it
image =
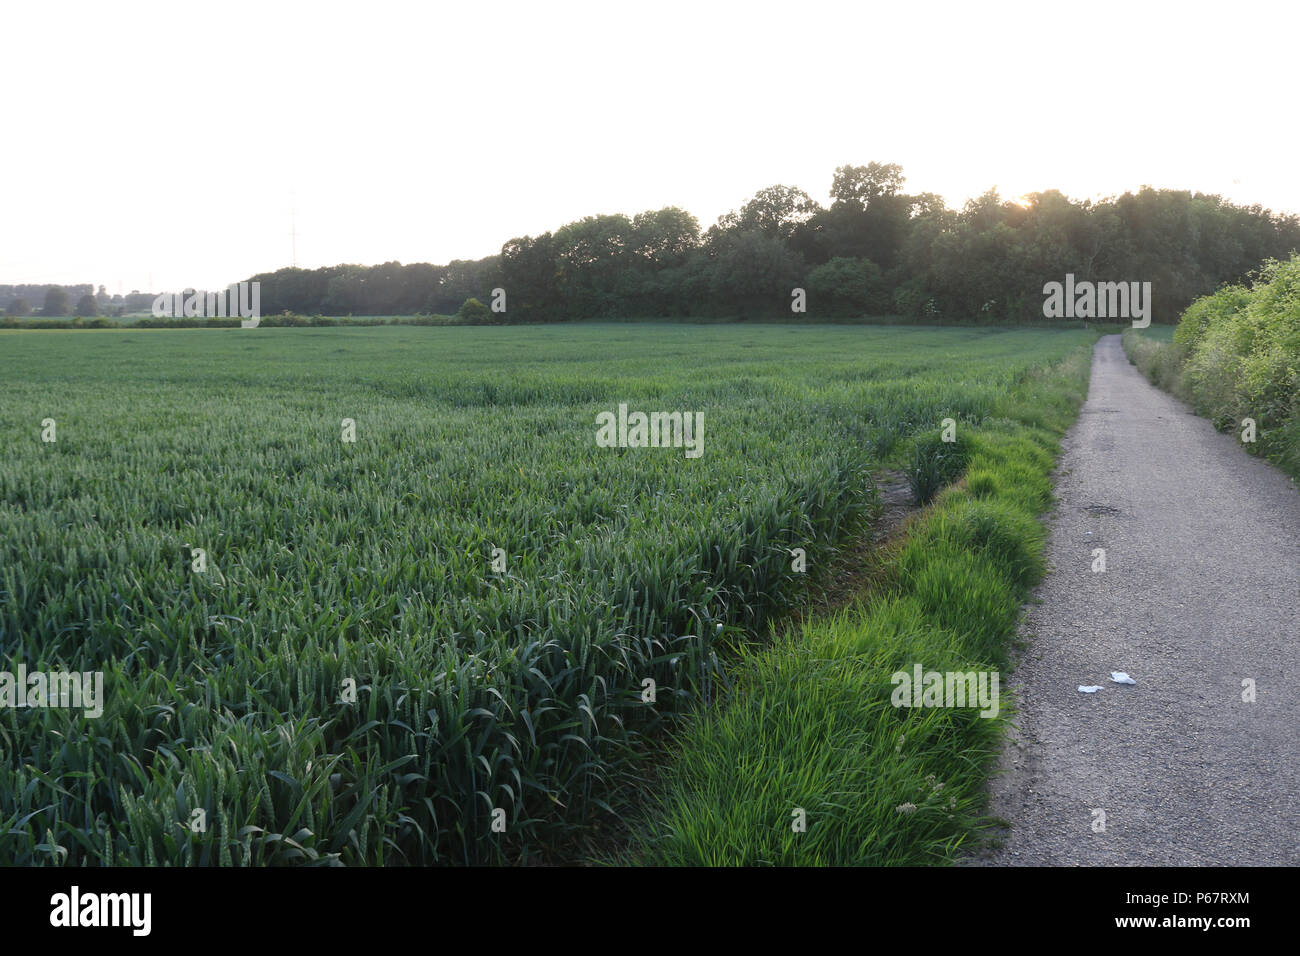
(1201, 591)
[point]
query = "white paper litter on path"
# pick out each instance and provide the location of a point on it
(1120, 677)
(1088, 690)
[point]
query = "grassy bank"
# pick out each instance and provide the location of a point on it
(810, 726)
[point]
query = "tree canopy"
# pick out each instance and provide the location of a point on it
(874, 250)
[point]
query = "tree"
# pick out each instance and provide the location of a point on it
(19, 307)
(528, 274)
(869, 216)
(857, 187)
(56, 301)
(463, 279)
(776, 212)
(86, 306)
(592, 258)
(754, 274)
(664, 237)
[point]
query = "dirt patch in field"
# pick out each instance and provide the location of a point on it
(898, 506)
(860, 567)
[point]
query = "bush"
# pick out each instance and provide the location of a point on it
(474, 312)
(286, 319)
(1212, 310)
(1236, 355)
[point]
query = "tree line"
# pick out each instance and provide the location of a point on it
(19, 301)
(875, 250)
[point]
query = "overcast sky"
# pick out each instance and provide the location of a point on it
(168, 143)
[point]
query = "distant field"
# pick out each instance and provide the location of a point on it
(148, 320)
(333, 565)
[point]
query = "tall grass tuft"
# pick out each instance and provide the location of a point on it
(934, 463)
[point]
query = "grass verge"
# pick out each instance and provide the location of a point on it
(808, 733)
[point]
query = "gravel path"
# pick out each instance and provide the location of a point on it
(1201, 591)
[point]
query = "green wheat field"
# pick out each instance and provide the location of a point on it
(352, 678)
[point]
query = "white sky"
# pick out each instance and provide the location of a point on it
(170, 141)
